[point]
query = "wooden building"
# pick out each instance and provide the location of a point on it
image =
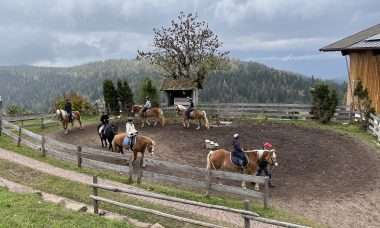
(362, 53)
(178, 90)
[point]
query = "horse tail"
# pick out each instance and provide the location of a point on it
(207, 124)
(162, 118)
(209, 162)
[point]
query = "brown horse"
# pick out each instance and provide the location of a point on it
(63, 116)
(143, 143)
(221, 159)
(153, 113)
(194, 115)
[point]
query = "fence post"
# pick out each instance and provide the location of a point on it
(140, 173)
(22, 123)
(43, 149)
(247, 221)
(208, 182)
(19, 137)
(266, 192)
(42, 123)
(130, 165)
(79, 156)
(95, 193)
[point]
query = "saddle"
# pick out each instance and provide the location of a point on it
(130, 141)
(236, 160)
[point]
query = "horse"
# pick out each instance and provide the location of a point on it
(63, 116)
(153, 113)
(195, 115)
(221, 160)
(142, 144)
(107, 133)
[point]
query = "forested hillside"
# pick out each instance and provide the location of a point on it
(35, 88)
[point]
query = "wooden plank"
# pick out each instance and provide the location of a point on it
(31, 134)
(103, 165)
(174, 199)
(159, 213)
(60, 144)
(237, 191)
(156, 177)
(275, 222)
(237, 176)
(176, 167)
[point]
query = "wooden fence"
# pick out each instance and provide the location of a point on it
(27, 120)
(374, 126)
(275, 111)
(201, 178)
(246, 214)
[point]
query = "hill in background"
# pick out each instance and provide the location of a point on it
(35, 88)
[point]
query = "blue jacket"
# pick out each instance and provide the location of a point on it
(237, 152)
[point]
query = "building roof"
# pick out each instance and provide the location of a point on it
(366, 39)
(178, 84)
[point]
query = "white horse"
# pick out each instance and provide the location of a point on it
(63, 116)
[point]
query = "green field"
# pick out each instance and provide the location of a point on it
(27, 210)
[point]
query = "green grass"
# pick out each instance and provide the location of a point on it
(80, 192)
(6, 143)
(27, 210)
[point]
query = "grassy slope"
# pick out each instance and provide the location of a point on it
(26, 210)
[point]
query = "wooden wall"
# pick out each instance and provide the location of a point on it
(365, 67)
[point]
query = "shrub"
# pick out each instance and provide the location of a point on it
(324, 102)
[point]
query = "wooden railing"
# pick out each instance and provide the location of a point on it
(245, 214)
(252, 110)
(94, 158)
(24, 119)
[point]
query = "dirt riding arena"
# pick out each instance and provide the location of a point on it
(325, 176)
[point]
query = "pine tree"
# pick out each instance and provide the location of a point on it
(110, 96)
(148, 89)
(125, 95)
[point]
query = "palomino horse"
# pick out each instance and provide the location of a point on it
(63, 116)
(195, 115)
(153, 113)
(142, 144)
(221, 159)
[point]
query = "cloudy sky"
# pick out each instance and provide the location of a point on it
(284, 34)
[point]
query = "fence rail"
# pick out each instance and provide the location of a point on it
(277, 111)
(245, 214)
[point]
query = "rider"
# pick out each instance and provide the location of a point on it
(190, 108)
(104, 119)
(147, 105)
(238, 155)
(131, 132)
(263, 165)
(68, 108)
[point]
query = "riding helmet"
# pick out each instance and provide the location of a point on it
(267, 145)
(236, 135)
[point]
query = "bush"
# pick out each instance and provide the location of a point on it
(324, 102)
(13, 109)
(364, 104)
(79, 103)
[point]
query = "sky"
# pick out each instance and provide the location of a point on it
(284, 34)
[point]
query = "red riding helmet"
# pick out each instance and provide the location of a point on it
(267, 145)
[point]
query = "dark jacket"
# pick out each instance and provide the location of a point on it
(237, 151)
(104, 119)
(68, 107)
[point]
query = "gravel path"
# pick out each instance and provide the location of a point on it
(231, 218)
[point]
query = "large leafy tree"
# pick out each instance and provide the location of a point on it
(188, 49)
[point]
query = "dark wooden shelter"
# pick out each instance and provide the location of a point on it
(178, 90)
(362, 53)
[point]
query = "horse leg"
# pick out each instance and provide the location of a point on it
(199, 125)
